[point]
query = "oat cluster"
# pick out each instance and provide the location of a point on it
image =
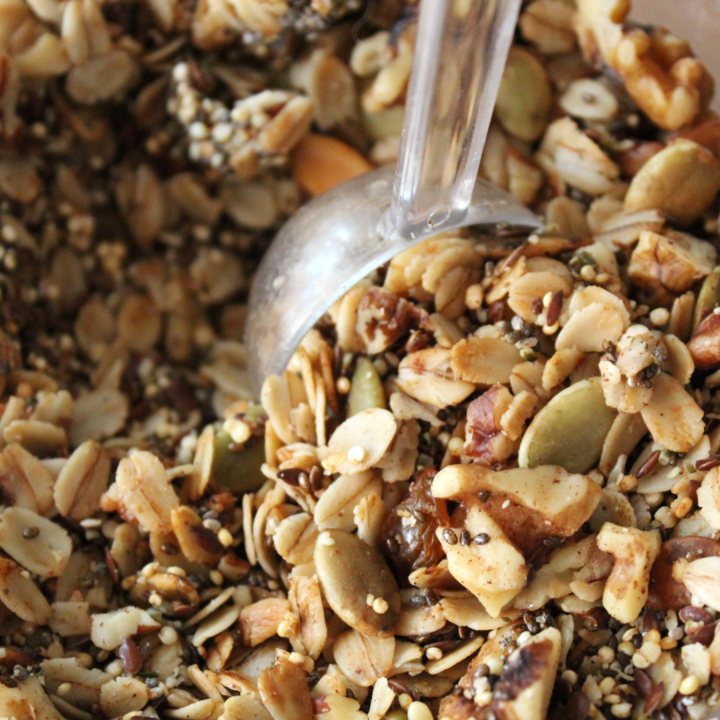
(488, 484)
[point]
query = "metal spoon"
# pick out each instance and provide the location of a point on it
(338, 238)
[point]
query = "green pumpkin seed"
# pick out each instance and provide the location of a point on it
(570, 430)
(366, 390)
(350, 571)
(709, 296)
(237, 470)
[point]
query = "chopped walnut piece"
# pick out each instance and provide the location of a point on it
(634, 552)
(660, 74)
(667, 265)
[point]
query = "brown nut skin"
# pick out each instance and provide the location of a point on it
(665, 593)
(704, 346)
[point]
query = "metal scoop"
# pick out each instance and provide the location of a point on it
(338, 238)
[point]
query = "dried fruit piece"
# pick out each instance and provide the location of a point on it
(38, 544)
(627, 587)
(570, 430)
(682, 181)
(349, 571)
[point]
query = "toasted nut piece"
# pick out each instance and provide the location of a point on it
(590, 100)
(708, 496)
(666, 592)
(349, 571)
(627, 587)
(560, 366)
(702, 579)
(669, 264)
(319, 162)
(569, 156)
(27, 701)
(261, 620)
(625, 433)
(673, 417)
(682, 181)
(284, 691)
(123, 695)
(427, 376)
(549, 25)
(518, 413)
(704, 346)
(361, 441)
(145, 491)
(529, 504)
(70, 618)
(198, 543)
(108, 630)
(25, 480)
(525, 96)
(364, 659)
(709, 296)
(38, 544)
(484, 360)
(82, 481)
(21, 595)
(494, 572)
(570, 430)
(679, 361)
(536, 662)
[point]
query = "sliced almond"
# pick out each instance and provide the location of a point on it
(534, 286)
(306, 602)
(285, 692)
(625, 433)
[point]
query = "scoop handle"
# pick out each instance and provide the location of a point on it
(461, 50)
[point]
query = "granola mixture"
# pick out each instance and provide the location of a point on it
(488, 485)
